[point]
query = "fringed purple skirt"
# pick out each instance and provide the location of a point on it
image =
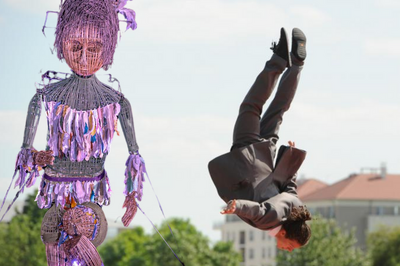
(82, 189)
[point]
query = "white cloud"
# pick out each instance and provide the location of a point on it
(38, 7)
(388, 3)
(180, 20)
(216, 20)
(365, 120)
(309, 16)
(383, 47)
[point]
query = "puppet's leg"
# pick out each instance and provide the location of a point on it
(55, 255)
(273, 117)
(247, 127)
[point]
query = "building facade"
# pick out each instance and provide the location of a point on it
(361, 202)
(257, 247)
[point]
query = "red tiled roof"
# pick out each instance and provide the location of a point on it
(359, 187)
(309, 186)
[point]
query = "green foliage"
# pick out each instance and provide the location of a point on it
(223, 254)
(128, 248)
(384, 246)
(328, 246)
(150, 250)
(20, 242)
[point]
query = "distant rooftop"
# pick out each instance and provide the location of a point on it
(372, 186)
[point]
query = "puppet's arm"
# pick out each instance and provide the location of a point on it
(25, 160)
(135, 166)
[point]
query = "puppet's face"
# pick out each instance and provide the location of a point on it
(83, 51)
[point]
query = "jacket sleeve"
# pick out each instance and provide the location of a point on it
(288, 163)
(257, 212)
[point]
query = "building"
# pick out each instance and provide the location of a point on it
(361, 201)
(257, 247)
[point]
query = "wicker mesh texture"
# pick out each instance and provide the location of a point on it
(81, 250)
(55, 255)
(50, 230)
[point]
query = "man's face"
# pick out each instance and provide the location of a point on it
(83, 51)
(284, 243)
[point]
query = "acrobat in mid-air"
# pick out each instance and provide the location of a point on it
(82, 115)
(260, 193)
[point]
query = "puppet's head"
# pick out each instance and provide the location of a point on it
(86, 34)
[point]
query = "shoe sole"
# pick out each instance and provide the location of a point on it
(284, 33)
(299, 41)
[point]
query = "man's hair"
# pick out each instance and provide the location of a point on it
(296, 227)
(79, 14)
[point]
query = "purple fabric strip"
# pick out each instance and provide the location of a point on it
(72, 179)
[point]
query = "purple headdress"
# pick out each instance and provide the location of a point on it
(101, 15)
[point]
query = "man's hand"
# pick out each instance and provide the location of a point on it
(230, 208)
(292, 144)
(131, 209)
(43, 158)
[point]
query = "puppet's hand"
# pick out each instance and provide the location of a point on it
(292, 144)
(131, 209)
(230, 208)
(43, 158)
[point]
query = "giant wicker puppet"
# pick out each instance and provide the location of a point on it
(82, 115)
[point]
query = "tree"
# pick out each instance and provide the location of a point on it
(224, 254)
(193, 248)
(128, 248)
(384, 246)
(20, 242)
(329, 246)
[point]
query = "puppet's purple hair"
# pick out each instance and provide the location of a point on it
(78, 14)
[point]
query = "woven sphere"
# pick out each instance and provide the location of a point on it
(87, 219)
(77, 221)
(50, 231)
(79, 249)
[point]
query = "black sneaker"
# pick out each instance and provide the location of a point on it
(299, 44)
(282, 48)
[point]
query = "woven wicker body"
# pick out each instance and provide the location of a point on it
(50, 230)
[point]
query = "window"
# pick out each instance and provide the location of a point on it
(251, 253)
(331, 212)
(242, 239)
(269, 253)
(264, 253)
(251, 235)
(263, 235)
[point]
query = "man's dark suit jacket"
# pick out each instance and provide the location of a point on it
(264, 194)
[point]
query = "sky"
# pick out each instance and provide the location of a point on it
(185, 71)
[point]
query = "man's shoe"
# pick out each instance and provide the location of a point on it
(299, 44)
(282, 48)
